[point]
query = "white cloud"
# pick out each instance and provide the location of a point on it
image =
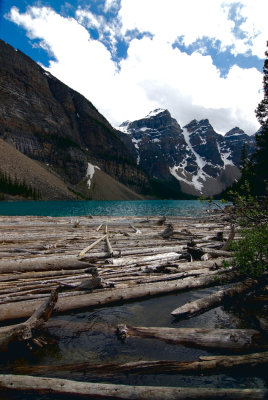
(111, 5)
(194, 19)
(154, 74)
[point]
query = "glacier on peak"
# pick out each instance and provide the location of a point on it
(155, 112)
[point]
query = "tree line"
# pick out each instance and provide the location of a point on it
(14, 187)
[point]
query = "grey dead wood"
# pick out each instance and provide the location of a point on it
(213, 300)
(40, 385)
(24, 331)
(42, 264)
(108, 296)
(227, 339)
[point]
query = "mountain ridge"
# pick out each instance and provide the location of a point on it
(56, 126)
(203, 161)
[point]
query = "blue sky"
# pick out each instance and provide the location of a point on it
(198, 58)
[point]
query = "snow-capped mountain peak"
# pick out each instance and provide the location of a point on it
(202, 160)
(156, 112)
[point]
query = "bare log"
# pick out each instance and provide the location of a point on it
(24, 331)
(98, 228)
(228, 339)
(198, 252)
(42, 264)
(84, 251)
(54, 386)
(208, 302)
(135, 251)
(216, 253)
(205, 365)
(103, 297)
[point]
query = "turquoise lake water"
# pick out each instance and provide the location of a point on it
(192, 208)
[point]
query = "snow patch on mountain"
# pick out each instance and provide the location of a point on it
(124, 127)
(136, 143)
(201, 176)
(225, 155)
(155, 112)
(90, 173)
(174, 172)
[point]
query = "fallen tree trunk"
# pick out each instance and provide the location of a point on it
(208, 302)
(42, 264)
(24, 331)
(108, 296)
(134, 251)
(53, 386)
(206, 365)
(84, 251)
(228, 339)
(198, 252)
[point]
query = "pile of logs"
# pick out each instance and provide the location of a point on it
(62, 264)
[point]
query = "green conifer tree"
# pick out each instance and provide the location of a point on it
(260, 158)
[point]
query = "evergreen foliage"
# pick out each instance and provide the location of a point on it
(262, 109)
(254, 170)
(16, 188)
(250, 255)
(259, 168)
(250, 199)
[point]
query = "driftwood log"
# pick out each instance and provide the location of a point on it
(24, 331)
(65, 387)
(11, 311)
(205, 365)
(201, 305)
(228, 339)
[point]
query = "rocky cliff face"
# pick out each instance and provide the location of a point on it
(53, 124)
(200, 159)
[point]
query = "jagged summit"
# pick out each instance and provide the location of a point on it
(200, 159)
(235, 132)
(157, 112)
(200, 127)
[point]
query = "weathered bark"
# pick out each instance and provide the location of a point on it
(39, 275)
(228, 339)
(24, 331)
(53, 386)
(216, 253)
(208, 302)
(140, 260)
(103, 297)
(42, 264)
(205, 365)
(198, 252)
(131, 252)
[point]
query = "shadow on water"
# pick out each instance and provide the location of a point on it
(89, 337)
